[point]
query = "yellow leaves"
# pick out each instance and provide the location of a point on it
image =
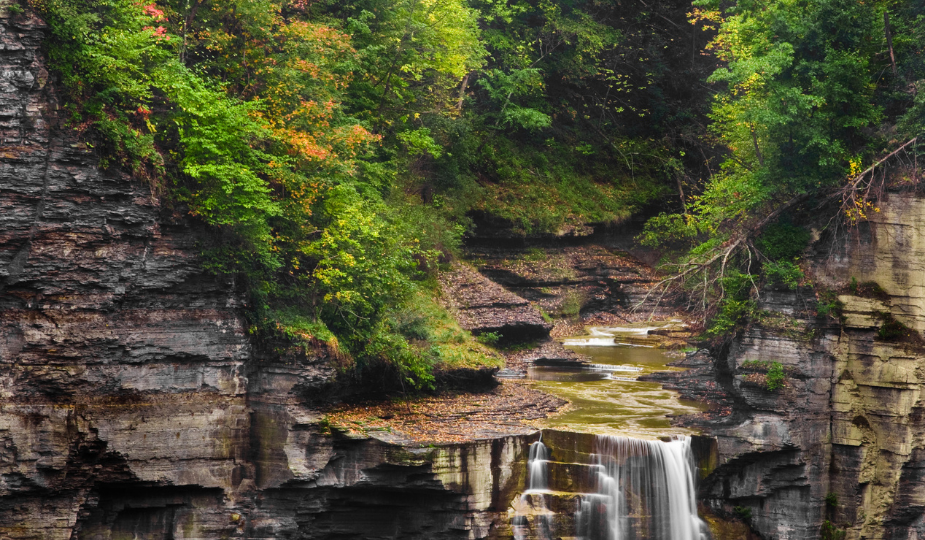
(858, 211)
(854, 165)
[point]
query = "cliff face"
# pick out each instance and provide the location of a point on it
(132, 403)
(109, 327)
(849, 425)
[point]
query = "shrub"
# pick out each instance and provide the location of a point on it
(783, 273)
(743, 512)
(783, 241)
(830, 532)
(829, 305)
(776, 378)
(489, 338)
(893, 330)
(736, 306)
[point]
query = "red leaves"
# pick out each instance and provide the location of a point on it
(156, 14)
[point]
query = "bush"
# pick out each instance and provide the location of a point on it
(489, 338)
(783, 273)
(893, 330)
(736, 306)
(776, 377)
(829, 305)
(830, 532)
(783, 241)
(743, 512)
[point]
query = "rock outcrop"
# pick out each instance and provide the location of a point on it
(571, 280)
(482, 306)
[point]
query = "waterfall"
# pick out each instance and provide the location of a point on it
(537, 468)
(534, 497)
(645, 490)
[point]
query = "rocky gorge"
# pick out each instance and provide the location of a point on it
(136, 405)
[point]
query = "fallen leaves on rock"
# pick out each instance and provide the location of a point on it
(514, 407)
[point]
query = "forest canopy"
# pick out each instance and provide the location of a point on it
(340, 150)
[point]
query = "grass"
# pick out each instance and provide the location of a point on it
(431, 328)
(542, 190)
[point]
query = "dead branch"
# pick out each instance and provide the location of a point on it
(850, 194)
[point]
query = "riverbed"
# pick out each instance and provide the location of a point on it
(606, 398)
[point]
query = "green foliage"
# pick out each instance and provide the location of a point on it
(743, 512)
(868, 289)
(799, 89)
(489, 338)
(571, 304)
(263, 153)
(783, 273)
(776, 378)
(893, 330)
(830, 532)
(736, 305)
(324, 425)
(783, 241)
(831, 500)
(804, 99)
(829, 306)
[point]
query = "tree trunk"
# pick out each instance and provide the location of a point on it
(889, 40)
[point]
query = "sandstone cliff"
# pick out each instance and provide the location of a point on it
(841, 445)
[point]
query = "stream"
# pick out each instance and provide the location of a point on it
(606, 398)
(636, 481)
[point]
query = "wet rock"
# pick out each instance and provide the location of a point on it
(546, 353)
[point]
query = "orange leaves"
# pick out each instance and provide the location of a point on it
(308, 133)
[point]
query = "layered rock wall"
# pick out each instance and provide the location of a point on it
(842, 443)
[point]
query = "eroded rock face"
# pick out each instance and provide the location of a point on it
(482, 306)
(848, 426)
(132, 402)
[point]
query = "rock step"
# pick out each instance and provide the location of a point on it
(572, 477)
(483, 306)
(553, 501)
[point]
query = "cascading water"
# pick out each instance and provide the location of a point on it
(632, 489)
(645, 490)
(534, 497)
(538, 468)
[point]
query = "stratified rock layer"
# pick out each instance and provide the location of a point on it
(483, 306)
(842, 442)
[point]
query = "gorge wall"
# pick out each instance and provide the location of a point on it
(133, 403)
(842, 445)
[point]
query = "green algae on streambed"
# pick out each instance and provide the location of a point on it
(608, 401)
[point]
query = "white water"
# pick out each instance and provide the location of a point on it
(537, 487)
(538, 469)
(608, 367)
(645, 490)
